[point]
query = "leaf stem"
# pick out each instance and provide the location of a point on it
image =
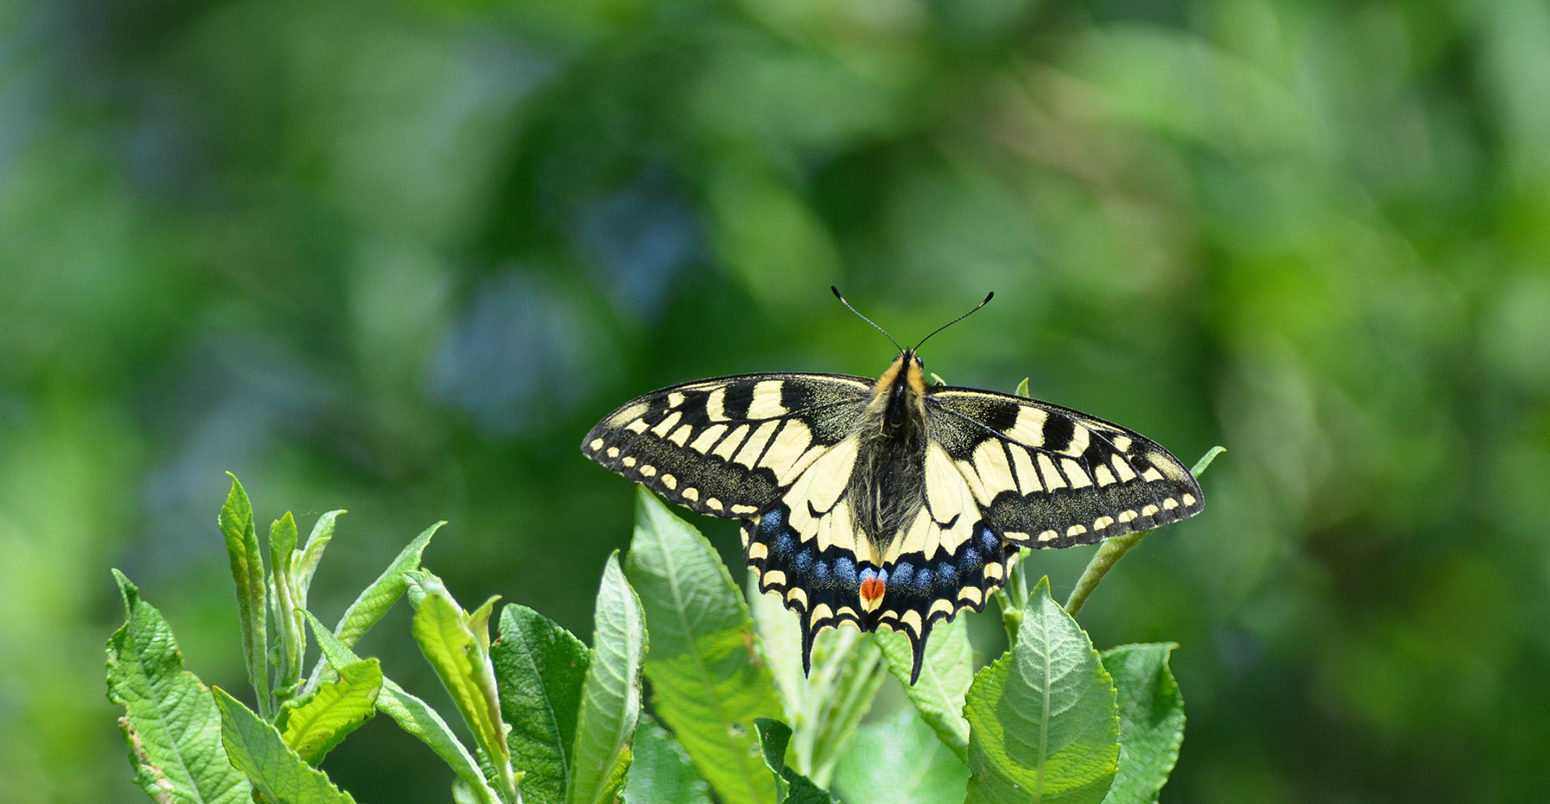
(1111, 551)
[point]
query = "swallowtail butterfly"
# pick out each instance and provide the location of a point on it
(892, 503)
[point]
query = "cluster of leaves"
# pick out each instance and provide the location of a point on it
(554, 720)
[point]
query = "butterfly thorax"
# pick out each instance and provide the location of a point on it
(891, 453)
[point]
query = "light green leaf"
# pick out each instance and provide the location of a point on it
(1151, 720)
(1022, 389)
(457, 645)
(307, 565)
(375, 600)
(847, 672)
(278, 774)
(313, 728)
(413, 715)
(945, 676)
(707, 684)
(661, 770)
(247, 571)
(899, 760)
(290, 644)
(610, 699)
(790, 787)
(170, 723)
(539, 669)
(1042, 718)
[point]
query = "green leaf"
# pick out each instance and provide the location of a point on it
(278, 774)
(170, 723)
(899, 760)
(610, 699)
(945, 676)
(1022, 389)
(707, 684)
(290, 646)
(539, 670)
(375, 600)
(1043, 725)
(307, 564)
(313, 728)
(661, 770)
(457, 645)
(790, 787)
(1151, 720)
(413, 715)
(247, 571)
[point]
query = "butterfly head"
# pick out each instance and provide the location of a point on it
(901, 392)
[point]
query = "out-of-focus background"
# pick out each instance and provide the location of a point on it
(397, 258)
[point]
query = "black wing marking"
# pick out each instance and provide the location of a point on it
(1048, 476)
(728, 446)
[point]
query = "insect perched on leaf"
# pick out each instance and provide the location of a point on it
(895, 503)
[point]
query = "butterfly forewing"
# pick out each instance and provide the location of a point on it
(730, 446)
(1048, 476)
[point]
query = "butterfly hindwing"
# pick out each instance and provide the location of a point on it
(729, 446)
(1048, 476)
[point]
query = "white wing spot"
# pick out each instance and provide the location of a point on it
(637, 426)
(1189, 499)
(1078, 475)
(1105, 477)
(1170, 504)
(1048, 536)
(669, 481)
(745, 509)
(597, 444)
(675, 399)
(647, 470)
(613, 452)
(1149, 510)
(1122, 468)
(1151, 475)
(1076, 530)
(707, 437)
(681, 435)
(629, 461)
(690, 493)
(666, 425)
(1126, 516)
(713, 504)
(1102, 522)
(766, 400)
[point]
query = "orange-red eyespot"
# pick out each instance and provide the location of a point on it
(874, 583)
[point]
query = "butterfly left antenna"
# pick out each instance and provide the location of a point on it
(868, 320)
(988, 297)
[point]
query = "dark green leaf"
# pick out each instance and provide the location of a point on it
(661, 770)
(1151, 720)
(539, 669)
(791, 787)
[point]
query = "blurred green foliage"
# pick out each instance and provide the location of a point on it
(399, 257)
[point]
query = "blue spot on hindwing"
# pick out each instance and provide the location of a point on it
(804, 561)
(988, 539)
(903, 573)
(970, 562)
(845, 571)
(821, 573)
